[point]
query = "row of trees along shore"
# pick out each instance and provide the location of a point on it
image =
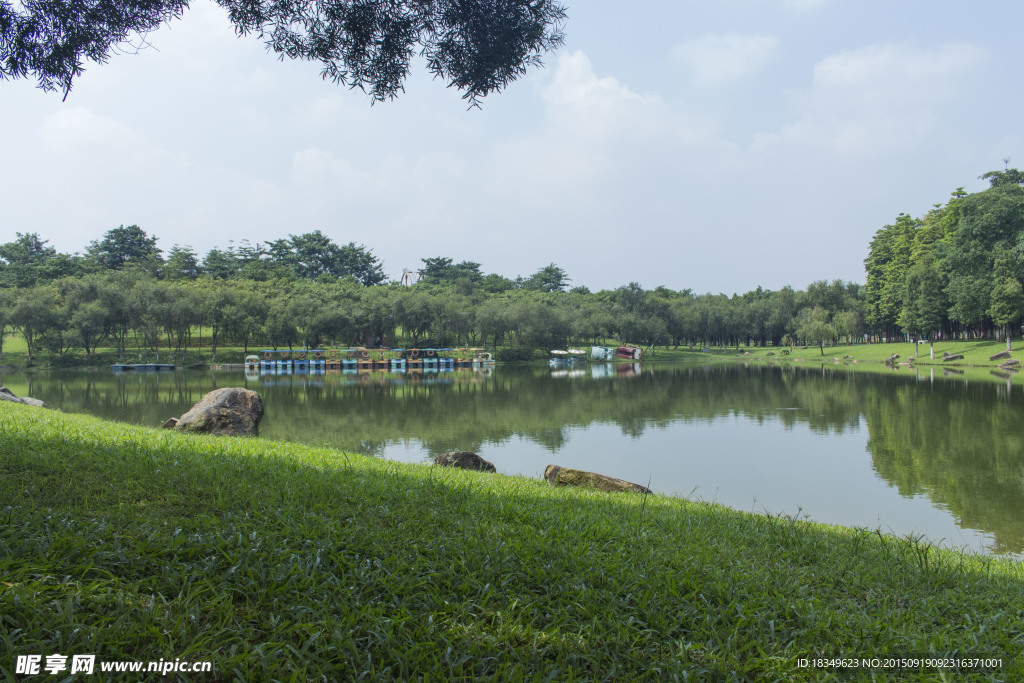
(955, 272)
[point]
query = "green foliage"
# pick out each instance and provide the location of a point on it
(991, 222)
(182, 264)
(550, 278)
(478, 48)
(28, 261)
(887, 265)
(124, 247)
(936, 274)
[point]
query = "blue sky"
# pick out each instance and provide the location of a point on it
(711, 146)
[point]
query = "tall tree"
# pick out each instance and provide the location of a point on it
(814, 325)
(29, 260)
(550, 278)
(182, 263)
(33, 313)
(991, 222)
(359, 262)
(925, 303)
(6, 308)
(887, 265)
(122, 247)
(1006, 305)
(476, 46)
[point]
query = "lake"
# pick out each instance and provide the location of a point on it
(905, 452)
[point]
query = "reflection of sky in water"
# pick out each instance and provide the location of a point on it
(747, 466)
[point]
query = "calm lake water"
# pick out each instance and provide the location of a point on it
(940, 457)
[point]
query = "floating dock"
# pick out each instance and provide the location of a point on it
(355, 359)
(141, 367)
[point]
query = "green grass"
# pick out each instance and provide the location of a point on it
(976, 353)
(284, 562)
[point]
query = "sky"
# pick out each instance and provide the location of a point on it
(710, 146)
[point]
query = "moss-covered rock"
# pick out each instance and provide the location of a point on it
(231, 411)
(564, 476)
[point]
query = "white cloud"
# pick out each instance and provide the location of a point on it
(876, 99)
(321, 172)
(577, 97)
(714, 59)
(78, 128)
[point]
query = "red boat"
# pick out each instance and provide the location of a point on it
(628, 352)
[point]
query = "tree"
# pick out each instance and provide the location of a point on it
(88, 320)
(925, 304)
(28, 261)
(477, 46)
(220, 264)
(991, 222)
(122, 247)
(33, 313)
(813, 325)
(435, 270)
(550, 278)
(6, 308)
(1007, 299)
(359, 262)
(182, 264)
(887, 265)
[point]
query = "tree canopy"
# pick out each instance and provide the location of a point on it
(477, 46)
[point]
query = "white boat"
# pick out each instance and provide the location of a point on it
(562, 357)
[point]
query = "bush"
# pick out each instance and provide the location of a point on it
(513, 354)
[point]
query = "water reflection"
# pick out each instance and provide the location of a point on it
(907, 452)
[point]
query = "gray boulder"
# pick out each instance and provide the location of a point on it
(8, 395)
(232, 411)
(564, 476)
(464, 460)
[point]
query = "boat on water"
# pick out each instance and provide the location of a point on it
(561, 357)
(628, 352)
(606, 353)
(363, 359)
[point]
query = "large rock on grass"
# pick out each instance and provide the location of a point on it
(232, 411)
(8, 395)
(564, 476)
(464, 460)
(1000, 356)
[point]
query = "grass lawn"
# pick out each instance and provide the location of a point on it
(976, 353)
(283, 562)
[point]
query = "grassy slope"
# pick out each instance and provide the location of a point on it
(285, 562)
(976, 353)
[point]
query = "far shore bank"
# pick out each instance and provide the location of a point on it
(975, 354)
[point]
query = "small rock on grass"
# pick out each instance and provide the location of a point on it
(464, 460)
(564, 476)
(8, 395)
